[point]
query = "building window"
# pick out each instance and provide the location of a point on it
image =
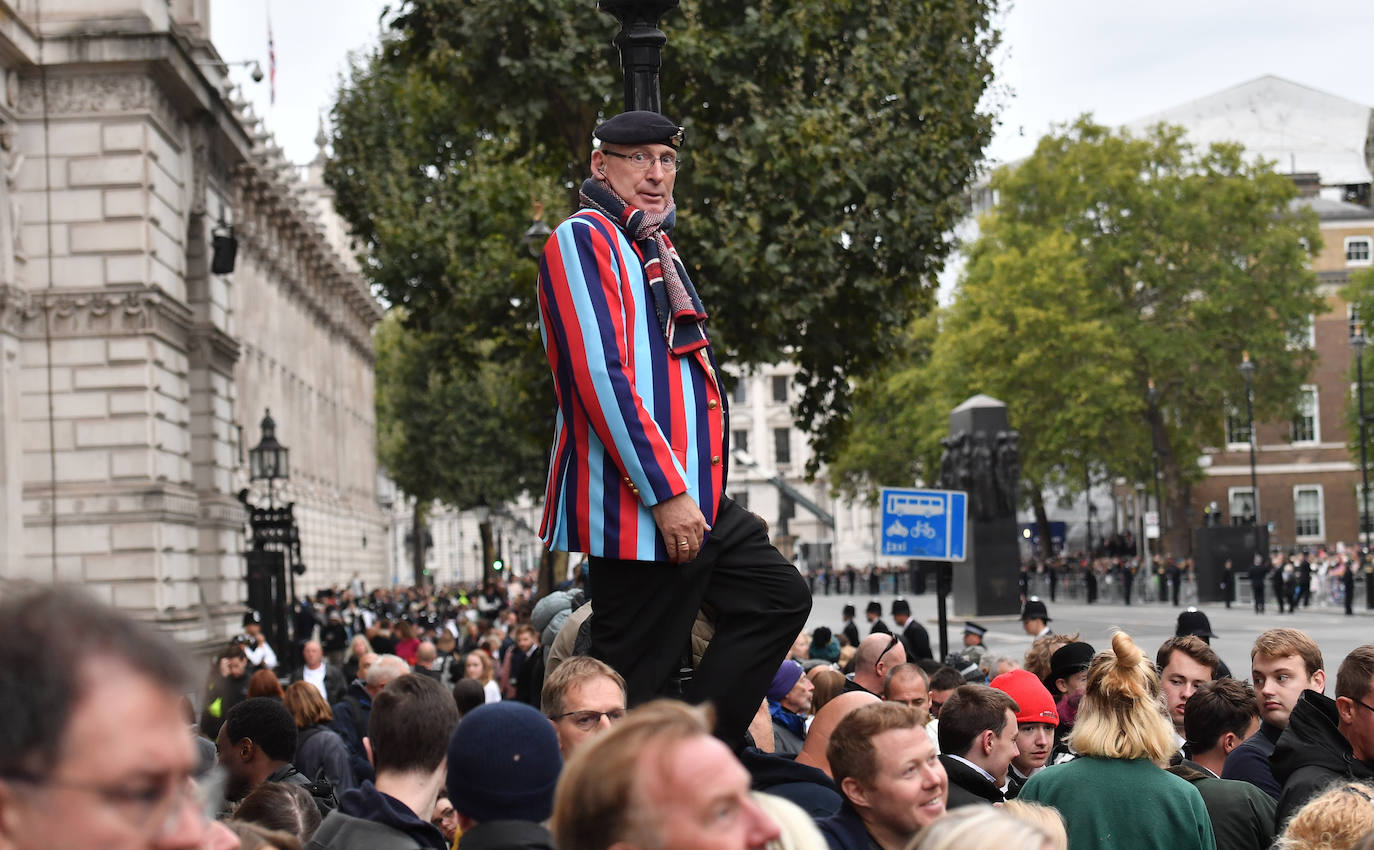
(1365, 526)
(1357, 251)
(1237, 428)
(741, 498)
(739, 440)
(1307, 511)
(1306, 425)
(1305, 338)
(1241, 504)
(782, 446)
(738, 395)
(780, 389)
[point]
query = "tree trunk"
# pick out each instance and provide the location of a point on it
(1042, 522)
(487, 551)
(1167, 469)
(553, 566)
(417, 551)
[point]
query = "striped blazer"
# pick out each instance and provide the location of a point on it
(636, 424)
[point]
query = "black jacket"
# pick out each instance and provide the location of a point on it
(507, 835)
(367, 819)
(851, 633)
(845, 830)
(781, 776)
(335, 687)
(1311, 754)
(967, 786)
(916, 640)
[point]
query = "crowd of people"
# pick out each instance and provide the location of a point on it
(863, 739)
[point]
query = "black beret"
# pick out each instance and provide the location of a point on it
(640, 127)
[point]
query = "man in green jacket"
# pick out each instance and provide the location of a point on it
(1217, 718)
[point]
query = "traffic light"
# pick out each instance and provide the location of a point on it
(498, 565)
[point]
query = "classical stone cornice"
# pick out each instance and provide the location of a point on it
(66, 313)
(78, 91)
(14, 304)
(209, 346)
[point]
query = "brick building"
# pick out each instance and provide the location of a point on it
(1308, 477)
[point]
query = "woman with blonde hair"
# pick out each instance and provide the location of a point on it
(1044, 818)
(1116, 793)
(1334, 820)
(478, 666)
(980, 826)
(320, 751)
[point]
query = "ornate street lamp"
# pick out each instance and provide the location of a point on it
(538, 233)
(640, 42)
(1358, 341)
(1153, 395)
(1247, 369)
(269, 459)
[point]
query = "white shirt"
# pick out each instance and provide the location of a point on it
(492, 690)
(316, 678)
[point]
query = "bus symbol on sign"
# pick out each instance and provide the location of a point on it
(915, 504)
(930, 524)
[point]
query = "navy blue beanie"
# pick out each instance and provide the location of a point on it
(503, 764)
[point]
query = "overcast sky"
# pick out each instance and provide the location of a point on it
(1059, 57)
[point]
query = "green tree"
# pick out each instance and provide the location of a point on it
(829, 143)
(1109, 261)
(1359, 294)
(465, 437)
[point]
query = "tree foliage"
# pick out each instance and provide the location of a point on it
(1359, 294)
(1108, 261)
(464, 437)
(829, 143)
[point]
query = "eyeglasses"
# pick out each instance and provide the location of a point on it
(589, 720)
(643, 161)
(154, 810)
(890, 644)
(1365, 704)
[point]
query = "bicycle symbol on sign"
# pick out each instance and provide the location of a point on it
(923, 529)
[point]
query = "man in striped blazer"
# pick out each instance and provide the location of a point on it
(638, 468)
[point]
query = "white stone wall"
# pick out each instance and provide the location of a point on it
(132, 379)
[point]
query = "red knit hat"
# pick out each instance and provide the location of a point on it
(1035, 702)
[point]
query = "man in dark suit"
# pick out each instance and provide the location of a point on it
(876, 626)
(850, 630)
(326, 678)
(914, 635)
(977, 743)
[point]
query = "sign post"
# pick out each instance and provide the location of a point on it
(931, 525)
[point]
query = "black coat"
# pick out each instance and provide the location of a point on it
(335, 687)
(507, 835)
(967, 786)
(782, 776)
(1311, 754)
(851, 633)
(916, 640)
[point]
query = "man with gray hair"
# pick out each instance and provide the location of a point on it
(95, 749)
(327, 678)
(351, 714)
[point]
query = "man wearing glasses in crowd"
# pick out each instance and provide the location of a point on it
(878, 654)
(637, 474)
(95, 750)
(582, 698)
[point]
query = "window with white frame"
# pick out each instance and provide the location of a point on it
(1357, 250)
(1240, 505)
(780, 389)
(739, 439)
(739, 394)
(782, 446)
(1307, 511)
(1306, 337)
(1237, 428)
(1307, 424)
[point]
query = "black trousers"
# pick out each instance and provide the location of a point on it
(644, 610)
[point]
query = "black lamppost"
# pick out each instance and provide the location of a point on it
(641, 48)
(1153, 395)
(1358, 340)
(269, 459)
(1247, 369)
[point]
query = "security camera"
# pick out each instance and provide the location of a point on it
(257, 73)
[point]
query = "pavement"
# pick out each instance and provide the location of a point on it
(1150, 624)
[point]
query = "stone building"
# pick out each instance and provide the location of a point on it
(132, 377)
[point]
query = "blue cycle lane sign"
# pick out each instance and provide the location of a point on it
(928, 524)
